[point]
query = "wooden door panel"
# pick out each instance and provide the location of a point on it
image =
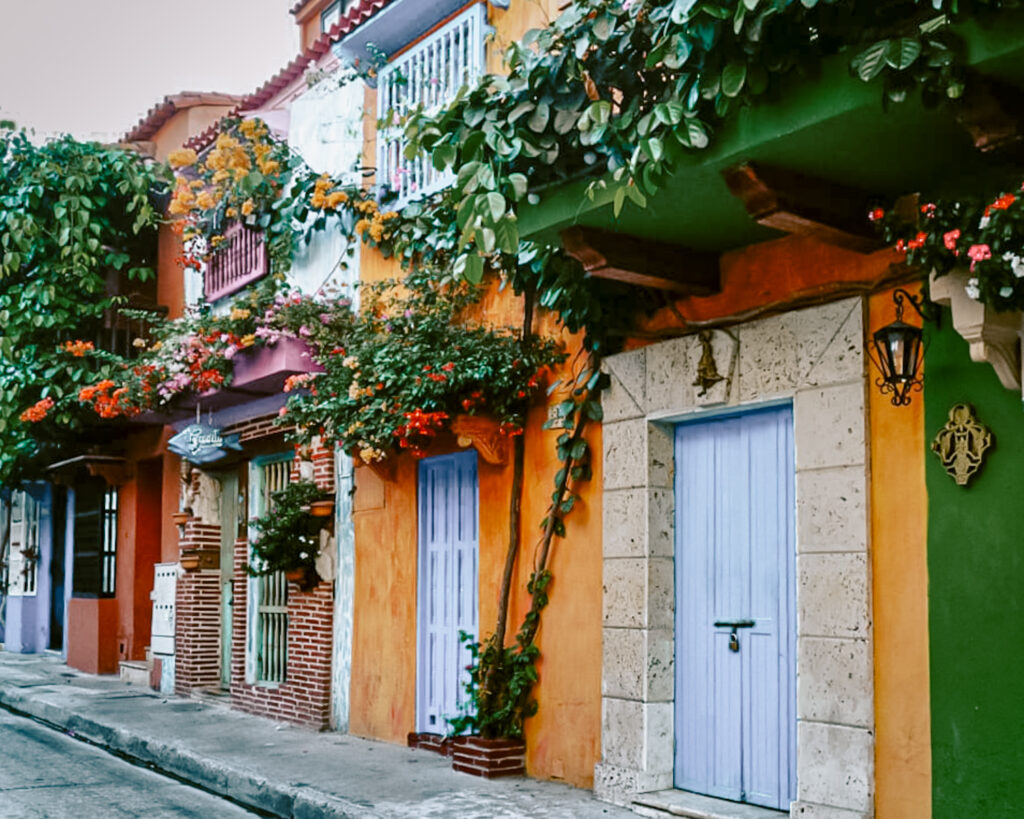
(735, 720)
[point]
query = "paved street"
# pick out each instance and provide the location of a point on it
(47, 775)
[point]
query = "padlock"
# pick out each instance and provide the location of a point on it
(734, 642)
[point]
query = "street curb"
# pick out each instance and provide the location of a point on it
(237, 784)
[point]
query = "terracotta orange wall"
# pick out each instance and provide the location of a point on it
(778, 273)
(170, 497)
(170, 280)
(899, 517)
(92, 635)
(564, 736)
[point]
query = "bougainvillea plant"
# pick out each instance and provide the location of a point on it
(981, 234)
(411, 361)
(72, 216)
(194, 354)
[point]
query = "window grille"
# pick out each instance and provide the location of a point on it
(241, 260)
(272, 592)
(430, 74)
(94, 572)
(23, 545)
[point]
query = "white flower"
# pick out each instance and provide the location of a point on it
(971, 289)
(1006, 292)
(983, 222)
(1016, 263)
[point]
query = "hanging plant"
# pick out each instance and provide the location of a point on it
(983, 234)
(287, 537)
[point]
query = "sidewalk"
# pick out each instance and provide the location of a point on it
(277, 768)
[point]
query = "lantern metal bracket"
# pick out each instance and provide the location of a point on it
(900, 382)
(921, 307)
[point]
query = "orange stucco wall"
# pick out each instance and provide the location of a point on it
(92, 635)
(899, 515)
(564, 736)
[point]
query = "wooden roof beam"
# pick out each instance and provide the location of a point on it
(804, 205)
(643, 262)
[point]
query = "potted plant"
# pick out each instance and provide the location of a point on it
(287, 537)
(487, 736)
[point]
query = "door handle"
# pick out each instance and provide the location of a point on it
(734, 624)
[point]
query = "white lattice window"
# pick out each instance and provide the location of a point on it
(23, 547)
(431, 73)
(268, 594)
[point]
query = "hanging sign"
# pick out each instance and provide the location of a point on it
(203, 444)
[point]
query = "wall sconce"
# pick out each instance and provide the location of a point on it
(897, 352)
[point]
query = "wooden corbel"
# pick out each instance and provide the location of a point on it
(803, 205)
(644, 262)
(484, 435)
(990, 113)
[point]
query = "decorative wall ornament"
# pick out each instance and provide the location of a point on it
(483, 433)
(707, 369)
(962, 443)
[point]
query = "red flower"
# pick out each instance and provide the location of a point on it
(448, 367)
(38, 411)
(1003, 202)
(876, 215)
(917, 241)
(949, 239)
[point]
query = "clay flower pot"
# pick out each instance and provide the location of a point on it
(189, 561)
(306, 579)
(321, 508)
(489, 758)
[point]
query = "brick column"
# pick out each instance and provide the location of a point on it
(197, 616)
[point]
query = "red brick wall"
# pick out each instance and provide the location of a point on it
(305, 695)
(197, 616)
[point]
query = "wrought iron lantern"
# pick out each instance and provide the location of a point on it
(897, 353)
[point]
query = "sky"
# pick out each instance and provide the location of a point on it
(93, 68)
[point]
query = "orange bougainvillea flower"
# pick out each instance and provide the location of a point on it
(38, 411)
(78, 348)
(182, 158)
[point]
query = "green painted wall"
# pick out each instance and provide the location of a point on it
(976, 596)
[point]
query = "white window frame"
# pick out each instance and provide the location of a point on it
(22, 573)
(430, 73)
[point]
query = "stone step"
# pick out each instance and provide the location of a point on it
(135, 672)
(658, 804)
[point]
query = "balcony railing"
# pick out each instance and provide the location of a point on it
(430, 73)
(240, 261)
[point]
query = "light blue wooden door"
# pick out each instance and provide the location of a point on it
(735, 555)
(448, 549)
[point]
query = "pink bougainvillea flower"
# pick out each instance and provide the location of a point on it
(949, 239)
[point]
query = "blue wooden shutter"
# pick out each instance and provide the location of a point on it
(448, 548)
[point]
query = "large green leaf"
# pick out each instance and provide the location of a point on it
(870, 62)
(902, 52)
(733, 77)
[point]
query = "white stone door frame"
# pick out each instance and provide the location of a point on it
(814, 358)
